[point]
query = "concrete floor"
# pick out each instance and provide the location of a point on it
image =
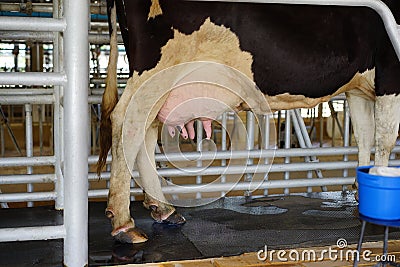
(226, 227)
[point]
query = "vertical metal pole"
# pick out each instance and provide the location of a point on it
(2, 140)
(76, 120)
(321, 125)
(307, 141)
(223, 146)
(58, 111)
(29, 144)
(42, 114)
(346, 137)
(288, 133)
(265, 136)
(301, 138)
(250, 125)
(360, 241)
(199, 147)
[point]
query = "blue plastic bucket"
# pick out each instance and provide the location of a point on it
(379, 196)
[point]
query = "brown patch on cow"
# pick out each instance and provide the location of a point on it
(155, 9)
(360, 84)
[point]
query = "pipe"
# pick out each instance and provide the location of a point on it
(224, 121)
(95, 9)
(33, 78)
(25, 197)
(27, 161)
(346, 136)
(94, 38)
(288, 133)
(32, 24)
(32, 233)
(20, 100)
(76, 143)
(265, 144)
(24, 178)
(27, 91)
(199, 148)
(58, 115)
(29, 145)
(241, 186)
(268, 153)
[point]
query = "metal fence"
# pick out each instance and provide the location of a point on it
(69, 33)
(70, 97)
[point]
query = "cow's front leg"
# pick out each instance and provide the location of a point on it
(155, 200)
(117, 210)
(387, 110)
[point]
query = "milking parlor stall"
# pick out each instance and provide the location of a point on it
(199, 133)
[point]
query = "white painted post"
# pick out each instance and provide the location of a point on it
(76, 121)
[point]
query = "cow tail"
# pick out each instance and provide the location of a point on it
(110, 95)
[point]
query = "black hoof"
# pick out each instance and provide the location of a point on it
(132, 236)
(175, 218)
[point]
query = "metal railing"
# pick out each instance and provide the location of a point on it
(70, 82)
(69, 96)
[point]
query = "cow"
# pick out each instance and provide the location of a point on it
(297, 55)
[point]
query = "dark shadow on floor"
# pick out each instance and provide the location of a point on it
(229, 226)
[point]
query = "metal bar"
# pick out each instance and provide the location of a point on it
(217, 187)
(76, 121)
(103, 81)
(294, 152)
(307, 141)
(321, 124)
(199, 147)
(265, 140)
(360, 242)
(29, 144)
(27, 161)
(346, 137)
(250, 125)
(58, 113)
(94, 38)
(300, 138)
(239, 169)
(377, 5)
(32, 24)
(2, 140)
(26, 91)
(288, 133)
(25, 197)
(32, 233)
(21, 99)
(223, 145)
(24, 178)
(95, 8)
(32, 78)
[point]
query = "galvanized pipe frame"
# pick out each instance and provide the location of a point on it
(256, 153)
(75, 78)
(46, 37)
(48, 7)
(62, 231)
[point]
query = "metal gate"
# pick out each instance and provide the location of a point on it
(69, 95)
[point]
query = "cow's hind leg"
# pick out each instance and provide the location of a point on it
(387, 110)
(117, 210)
(362, 118)
(149, 181)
